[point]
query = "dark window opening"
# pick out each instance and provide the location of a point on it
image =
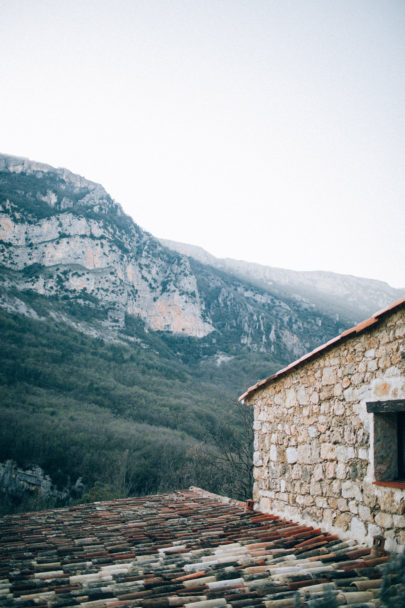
(389, 440)
(401, 445)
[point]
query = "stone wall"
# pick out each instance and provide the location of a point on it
(314, 459)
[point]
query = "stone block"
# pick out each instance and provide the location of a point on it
(273, 453)
(313, 432)
(315, 489)
(318, 473)
(336, 435)
(328, 517)
(357, 378)
(321, 501)
(343, 520)
(399, 521)
(346, 382)
(338, 408)
(351, 490)
(302, 396)
(344, 453)
(372, 365)
(384, 520)
(330, 470)
(328, 451)
(364, 453)
(291, 398)
(362, 367)
(358, 529)
(387, 502)
(306, 473)
(262, 415)
(257, 459)
(326, 392)
(369, 496)
(329, 375)
(349, 395)
(323, 428)
(291, 455)
(338, 389)
(335, 488)
(392, 372)
(304, 453)
(364, 513)
(342, 505)
(349, 435)
(333, 503)
(302, 436)
(296, 472)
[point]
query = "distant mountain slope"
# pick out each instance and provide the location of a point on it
(352, 298)
(65, 237)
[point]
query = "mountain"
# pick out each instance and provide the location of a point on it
(343, 296)
(64, 237)
(121, 359)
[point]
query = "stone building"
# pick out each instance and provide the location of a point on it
(330, 434)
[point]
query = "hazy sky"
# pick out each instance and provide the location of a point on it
(266, 130)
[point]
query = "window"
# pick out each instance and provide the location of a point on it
(401, 445)
(389, 441)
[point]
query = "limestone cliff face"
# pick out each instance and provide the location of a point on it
(65, 236)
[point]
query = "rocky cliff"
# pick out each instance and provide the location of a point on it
(64, 237)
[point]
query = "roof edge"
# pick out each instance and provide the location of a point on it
(347, 334)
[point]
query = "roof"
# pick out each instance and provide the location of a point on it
(187, 548)
(346, 335)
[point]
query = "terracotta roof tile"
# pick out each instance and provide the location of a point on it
(353, 331)
(188, 548)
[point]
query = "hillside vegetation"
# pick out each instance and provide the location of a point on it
(128, 418)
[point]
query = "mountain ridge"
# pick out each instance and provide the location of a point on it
(350, 296)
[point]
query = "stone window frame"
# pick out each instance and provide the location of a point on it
(389, 442)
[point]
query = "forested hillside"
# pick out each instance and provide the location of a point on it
(127, 418)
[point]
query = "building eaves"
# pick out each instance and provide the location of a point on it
(346, 335)
(187, 548)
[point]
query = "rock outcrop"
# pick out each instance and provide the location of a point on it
(63, 235)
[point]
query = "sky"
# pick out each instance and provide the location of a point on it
(271, 131)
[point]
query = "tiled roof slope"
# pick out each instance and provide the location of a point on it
(187, 548)
(349, 333)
